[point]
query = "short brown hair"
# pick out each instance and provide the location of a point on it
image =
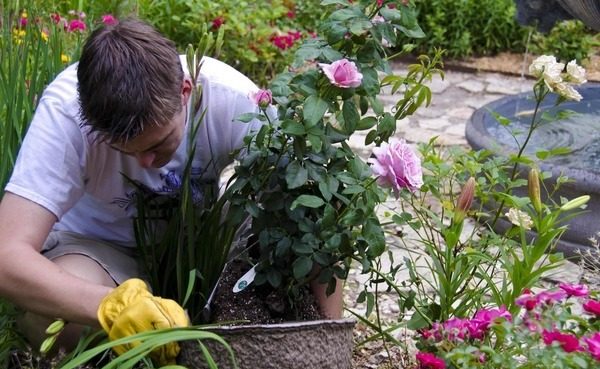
(130, 76)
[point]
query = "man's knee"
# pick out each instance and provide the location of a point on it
(86, 268)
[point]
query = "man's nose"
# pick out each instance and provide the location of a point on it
(145, 159)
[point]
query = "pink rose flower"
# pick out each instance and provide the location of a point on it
(342, 73)
(262, 98)
(577, 290)
(397, 166)
(76, 25)
(429, 361)
(593, 345)
(567, 341)
(109, 20)
(592, 306)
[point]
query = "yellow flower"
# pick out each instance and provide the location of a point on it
(24, 14)
(64, 58)
(44, 36)
(18, 35)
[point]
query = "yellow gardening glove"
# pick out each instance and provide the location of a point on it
(131, 308)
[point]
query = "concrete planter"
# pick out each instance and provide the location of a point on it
(294, 345)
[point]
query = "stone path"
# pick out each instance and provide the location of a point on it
(454, 100)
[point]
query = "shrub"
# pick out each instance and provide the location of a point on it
(567, 40)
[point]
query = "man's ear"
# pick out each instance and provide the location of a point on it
(186, 90)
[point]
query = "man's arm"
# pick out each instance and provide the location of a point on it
(30, 280)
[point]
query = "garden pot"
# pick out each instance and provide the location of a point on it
(293, 345)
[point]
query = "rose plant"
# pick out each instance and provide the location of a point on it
(311, 198)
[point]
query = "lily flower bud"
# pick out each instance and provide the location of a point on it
(464, 200)
(575, 203)
(534, 190)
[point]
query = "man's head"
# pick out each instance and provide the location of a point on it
(132, 89)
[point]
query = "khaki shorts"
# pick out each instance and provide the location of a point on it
(118, 261)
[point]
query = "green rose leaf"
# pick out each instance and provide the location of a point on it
(302, 266)
(292, 127)
(314, 109)
(351, 116)
(310, 201)
(295, 175)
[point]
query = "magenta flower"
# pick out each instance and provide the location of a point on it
(593, 345)
(567, 341)
(397, 166)
(592, 306)
(76, 25)
(527, 300)
(342, 73)
(577, 290)
(485, 317)
(429, 361)
(262, 98)
(109, 20)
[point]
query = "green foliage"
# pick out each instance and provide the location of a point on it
(312, 199)
(467, 27)
(567, 40)
(32, 55)
(249, 29)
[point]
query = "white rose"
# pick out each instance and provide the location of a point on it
(538, 66)
(553, 74)
(567, 91)
(575, 73)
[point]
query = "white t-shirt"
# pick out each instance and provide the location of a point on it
(68, 171)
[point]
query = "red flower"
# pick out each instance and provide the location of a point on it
(379, 2)
(55, 18)
(290, 14)
(592, 306)
(218, 22)
(76, 25)
(568, 342)
(429, 361)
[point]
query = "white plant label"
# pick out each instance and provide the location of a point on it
(245, 281)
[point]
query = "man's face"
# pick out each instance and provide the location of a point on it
(156, 145)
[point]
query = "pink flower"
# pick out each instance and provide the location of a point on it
(485, 317)
(593, 345)
(527, 300)
(262, 98)
(568, 342)
(109, 20)
(76, 25)
(290, 14)
(342, 73)
(577, 290)
(457, 328)
(429, 361)
(23, 22)
(218, 22)
(397, 166)
(592, 306)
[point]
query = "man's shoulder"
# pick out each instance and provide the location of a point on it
(64, 86)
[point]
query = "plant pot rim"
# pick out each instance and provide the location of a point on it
(342, 322)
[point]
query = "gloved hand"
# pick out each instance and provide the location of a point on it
(131, 308)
